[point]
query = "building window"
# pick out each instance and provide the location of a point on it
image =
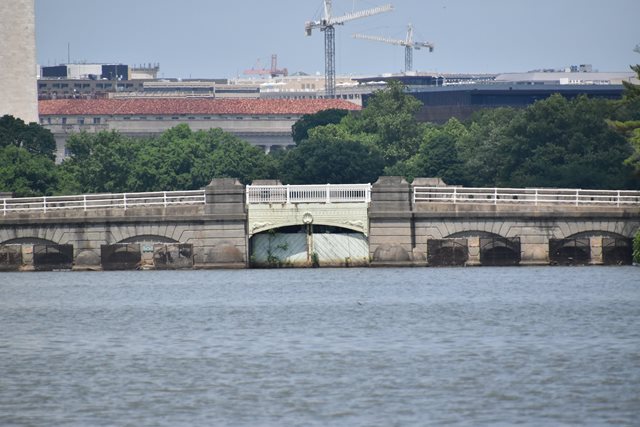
(175, 118)
(42, 85)
(64, 120)
(191, 118)
(49, 120)
(239, 118)
(159, 118)
(80, 120)
(96, 120)
(207, 117)
(126, 118)
(143, 117)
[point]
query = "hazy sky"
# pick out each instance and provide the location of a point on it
(213, 38)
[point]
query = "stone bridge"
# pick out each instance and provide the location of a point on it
(389, 223)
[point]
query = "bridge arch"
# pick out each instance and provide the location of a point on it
(357, 226)
(308, 245)
(148, 238)
(472, 233)
(494, 249)
(28, 241)
(621, 228)
(613, 248)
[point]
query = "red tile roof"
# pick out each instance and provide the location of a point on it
(170, 106)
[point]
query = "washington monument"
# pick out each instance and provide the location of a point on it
(18, 74)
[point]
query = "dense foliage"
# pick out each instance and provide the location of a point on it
(26, 158)
(629, 126)
(553, 143)
(179, 159)
(579, 143)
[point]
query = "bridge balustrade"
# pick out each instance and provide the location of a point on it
(102, 201)
(329, 193)
(528, 196)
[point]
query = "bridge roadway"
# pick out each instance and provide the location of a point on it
(389, 223)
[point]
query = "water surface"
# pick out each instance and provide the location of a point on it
(353, 347)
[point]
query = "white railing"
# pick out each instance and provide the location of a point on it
(529, 196)
(102, 201)
(329, 193)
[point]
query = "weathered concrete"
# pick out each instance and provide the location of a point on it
(216, 231)
(396, 231)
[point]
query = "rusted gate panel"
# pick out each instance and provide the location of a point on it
(447, 252)
(500, 251)
(575, 251)
(52, 257)
(120, 256)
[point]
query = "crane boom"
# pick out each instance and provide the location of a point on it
(408, 44)
(327, 24)
(380, 39)
(360, 14)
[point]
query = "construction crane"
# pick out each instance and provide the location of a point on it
(273, 72)
(327, 24)
(408, 43)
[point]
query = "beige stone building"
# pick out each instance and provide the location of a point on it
(261, 122)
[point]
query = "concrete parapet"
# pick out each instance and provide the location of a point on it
(225, 196)
(390, 194)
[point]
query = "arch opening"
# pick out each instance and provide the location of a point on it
(500, 251)
(308, 245)
(447, 252)
(10, 257)
(52, 257)
(122, 256)
(569, 251)
(617, 251)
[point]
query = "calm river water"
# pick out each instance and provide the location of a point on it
(353, 347)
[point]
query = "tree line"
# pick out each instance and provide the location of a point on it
(579, 143)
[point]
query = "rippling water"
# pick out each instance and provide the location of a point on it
(356, 347)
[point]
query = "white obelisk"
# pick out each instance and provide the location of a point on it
(18, 72)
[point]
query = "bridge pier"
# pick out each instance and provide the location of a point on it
(392, 238)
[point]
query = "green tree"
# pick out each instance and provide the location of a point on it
(483, 148)
(562, 143)
(389, 120)
(300, 129)
(26, 174)
(100, 162)
(438, 154)
(330, 155)
(179, 159)
(630, 126)
(32, 137)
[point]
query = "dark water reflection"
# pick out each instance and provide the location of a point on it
(475, 346)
